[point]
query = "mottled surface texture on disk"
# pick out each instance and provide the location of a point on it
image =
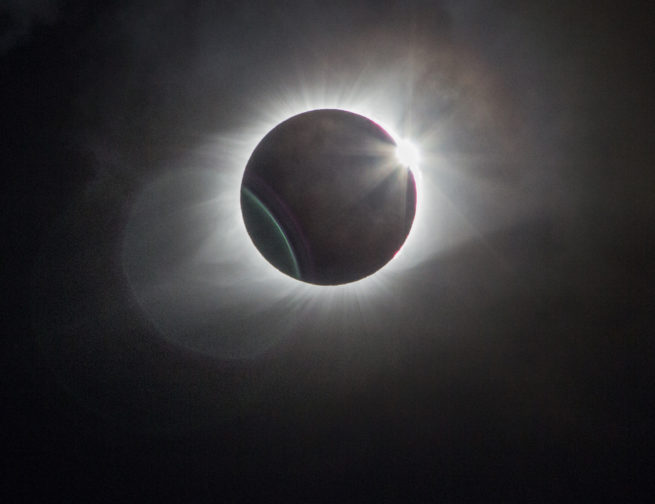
(324, 198)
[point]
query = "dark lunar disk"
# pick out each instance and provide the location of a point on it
(324, 198)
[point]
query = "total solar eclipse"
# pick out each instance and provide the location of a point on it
(328, 197)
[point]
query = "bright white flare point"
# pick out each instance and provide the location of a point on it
(407, 153)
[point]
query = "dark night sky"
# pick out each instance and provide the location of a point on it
(514, 362)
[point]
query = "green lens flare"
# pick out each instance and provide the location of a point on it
(268, 234)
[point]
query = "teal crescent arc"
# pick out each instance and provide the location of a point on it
(273, 241)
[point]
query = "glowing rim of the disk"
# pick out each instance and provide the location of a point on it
(260, 267)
